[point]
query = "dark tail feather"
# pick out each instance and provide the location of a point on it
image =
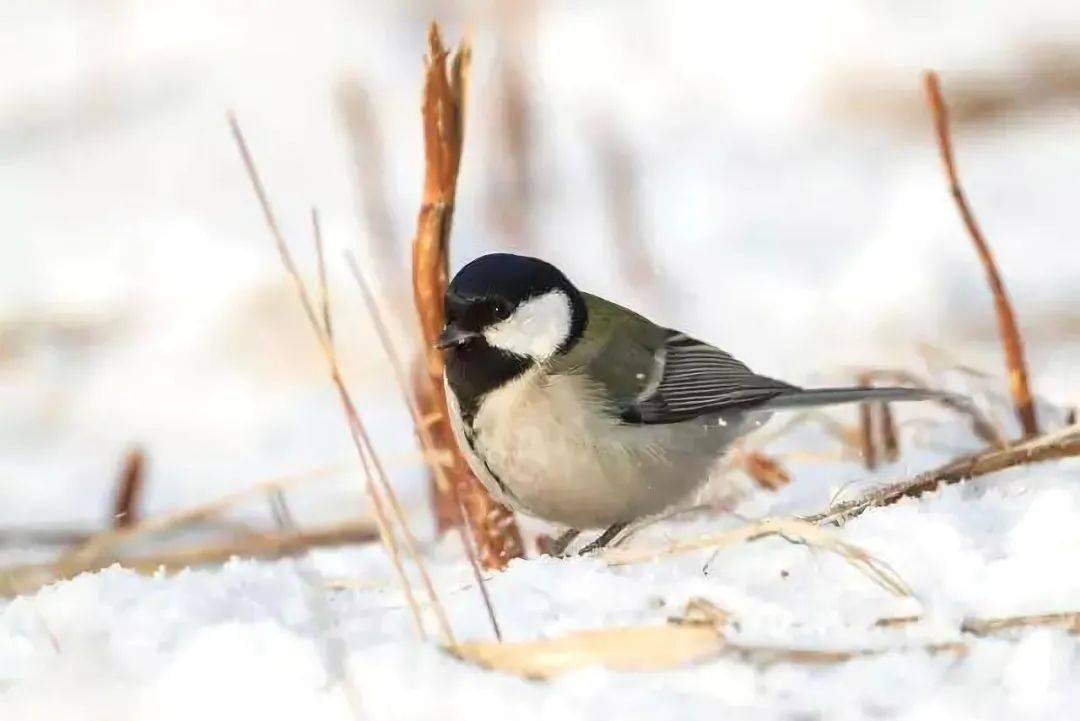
(800, 398)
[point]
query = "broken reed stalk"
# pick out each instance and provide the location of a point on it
(877, 431)
(30, 577)
(868, 447)
(1061, 444)
(423, 433)
(101, 543)
(890, 442)
(129, 486)
(980, 424)
(443, 109)
(376, 484)
(1006, 319)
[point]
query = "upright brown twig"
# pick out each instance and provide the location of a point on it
(443, 108)
(1006, 319)
(129, 485)
(867, 439)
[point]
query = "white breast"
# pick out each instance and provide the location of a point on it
(543, 446)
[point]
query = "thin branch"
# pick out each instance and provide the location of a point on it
(324, 293)
(867, 439)
(129, 486)
(423, 432)
(1008, 329)
(358, 433)
(890, 442)
(1062, 444)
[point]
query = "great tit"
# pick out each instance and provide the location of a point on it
(576, 410)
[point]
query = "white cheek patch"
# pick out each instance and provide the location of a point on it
(536, 329)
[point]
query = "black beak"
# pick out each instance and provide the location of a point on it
(453, 336)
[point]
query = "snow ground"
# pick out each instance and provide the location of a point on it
(140, 302)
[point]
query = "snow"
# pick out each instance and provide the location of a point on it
(141, 303)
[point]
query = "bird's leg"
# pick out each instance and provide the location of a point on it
(557, 547)
(605, 538)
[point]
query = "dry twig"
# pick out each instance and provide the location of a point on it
(1006, 319)
(890, 443)
(494, 531)
(1062, 444)
(102, 543)
(980, 424)
(30, 577)
(1069, 620)
(867, 441)
(376, 484)
(129, 487)
(423, 432)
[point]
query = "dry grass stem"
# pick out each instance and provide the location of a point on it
(792, 530)
(324, 291)
(1006, 319)
(443, 110)
(1069, 620)
(376, 484)
(129, 486)
(30, 577)
(1053, 446)
(103, 542)
(423, 430)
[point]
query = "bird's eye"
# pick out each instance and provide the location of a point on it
(501, 309)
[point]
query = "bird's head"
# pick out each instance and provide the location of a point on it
(506, 313)
(514, 304)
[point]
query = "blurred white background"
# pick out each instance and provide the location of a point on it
(771, 164)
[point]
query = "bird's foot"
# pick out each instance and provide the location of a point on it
(556, 547)
(605, 538)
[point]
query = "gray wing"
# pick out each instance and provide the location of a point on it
(690, 378)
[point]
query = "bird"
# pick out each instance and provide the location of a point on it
(583, 413)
